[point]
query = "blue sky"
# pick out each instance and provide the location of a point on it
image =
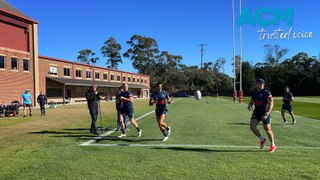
(67, 26)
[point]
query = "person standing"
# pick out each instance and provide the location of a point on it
(127, 110)
(27, 102)
(42, 100)
(263, 104)
(119, 105)
(161, 98)
(287, 105)
(93, 97)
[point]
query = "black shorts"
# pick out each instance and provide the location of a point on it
(258, 116)
(287, 107)
(27, 105)
(160, 111)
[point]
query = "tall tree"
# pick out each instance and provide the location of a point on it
(274, 54)
(111, 50)
(143, 53)
(87, 56)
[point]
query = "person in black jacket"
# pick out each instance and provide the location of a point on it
(42, 100)
(93, 97)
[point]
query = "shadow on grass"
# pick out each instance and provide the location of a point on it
(246, 124)
(66, 134)
(116, 139)
(209, 150)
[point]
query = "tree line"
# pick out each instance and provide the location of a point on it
(162, 66)
(301, 72)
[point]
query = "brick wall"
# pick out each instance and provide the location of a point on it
(13, 82)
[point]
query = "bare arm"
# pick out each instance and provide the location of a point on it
(250, 104)
(270, 107)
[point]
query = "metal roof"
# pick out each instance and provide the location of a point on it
(12, 10)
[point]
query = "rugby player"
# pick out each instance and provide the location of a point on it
(287, 105)
(161, 98)
(263, 104)
(127, 110)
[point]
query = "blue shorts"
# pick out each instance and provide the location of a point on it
(287, 107)
(160, 111)
(127, 112)
(258, 116)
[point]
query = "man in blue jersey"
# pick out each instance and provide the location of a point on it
(287, 105)
(27, 102)
(161, 98)
(263, 104)
(127, 110)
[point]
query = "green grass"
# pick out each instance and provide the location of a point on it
(49, 147)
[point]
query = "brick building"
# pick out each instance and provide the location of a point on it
(64, 81)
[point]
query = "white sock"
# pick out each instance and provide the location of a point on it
(261, 138)
(272, 143)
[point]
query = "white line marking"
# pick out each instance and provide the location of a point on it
(198, 146)
(87, 143)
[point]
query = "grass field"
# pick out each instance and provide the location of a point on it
(210, 139)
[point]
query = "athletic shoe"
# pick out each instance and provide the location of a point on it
(272, 149)
(127, 129)
(122, 135)
(294, 121)
(169, 131)
(30, 114)
(285, 123)
(165, 138)
(262, 143)
(139, 133)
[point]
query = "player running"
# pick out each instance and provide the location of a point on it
(160, 97)
(127, 110)
(263, 104)
(287, 105)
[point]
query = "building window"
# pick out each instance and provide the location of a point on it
(105, 76)
(78, 73)
(2, 62)
(25, 64)
(141, 80)
(54, 70)
(88, 74)
(123, 78)
(118, 78)
(97, 75)
(78, 89)
(66, 72)
(145, 81)
(138, 80)
(14, 63)
(129, 79)
(133, 79)
(112, 77)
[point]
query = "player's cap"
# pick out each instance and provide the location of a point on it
(261, 81)
(26, 90)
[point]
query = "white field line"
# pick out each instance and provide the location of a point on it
(198, 146)
(87, 143)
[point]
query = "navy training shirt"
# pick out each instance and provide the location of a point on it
(126, 94)
(160, 98)
(287, 95)
(261, 100)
